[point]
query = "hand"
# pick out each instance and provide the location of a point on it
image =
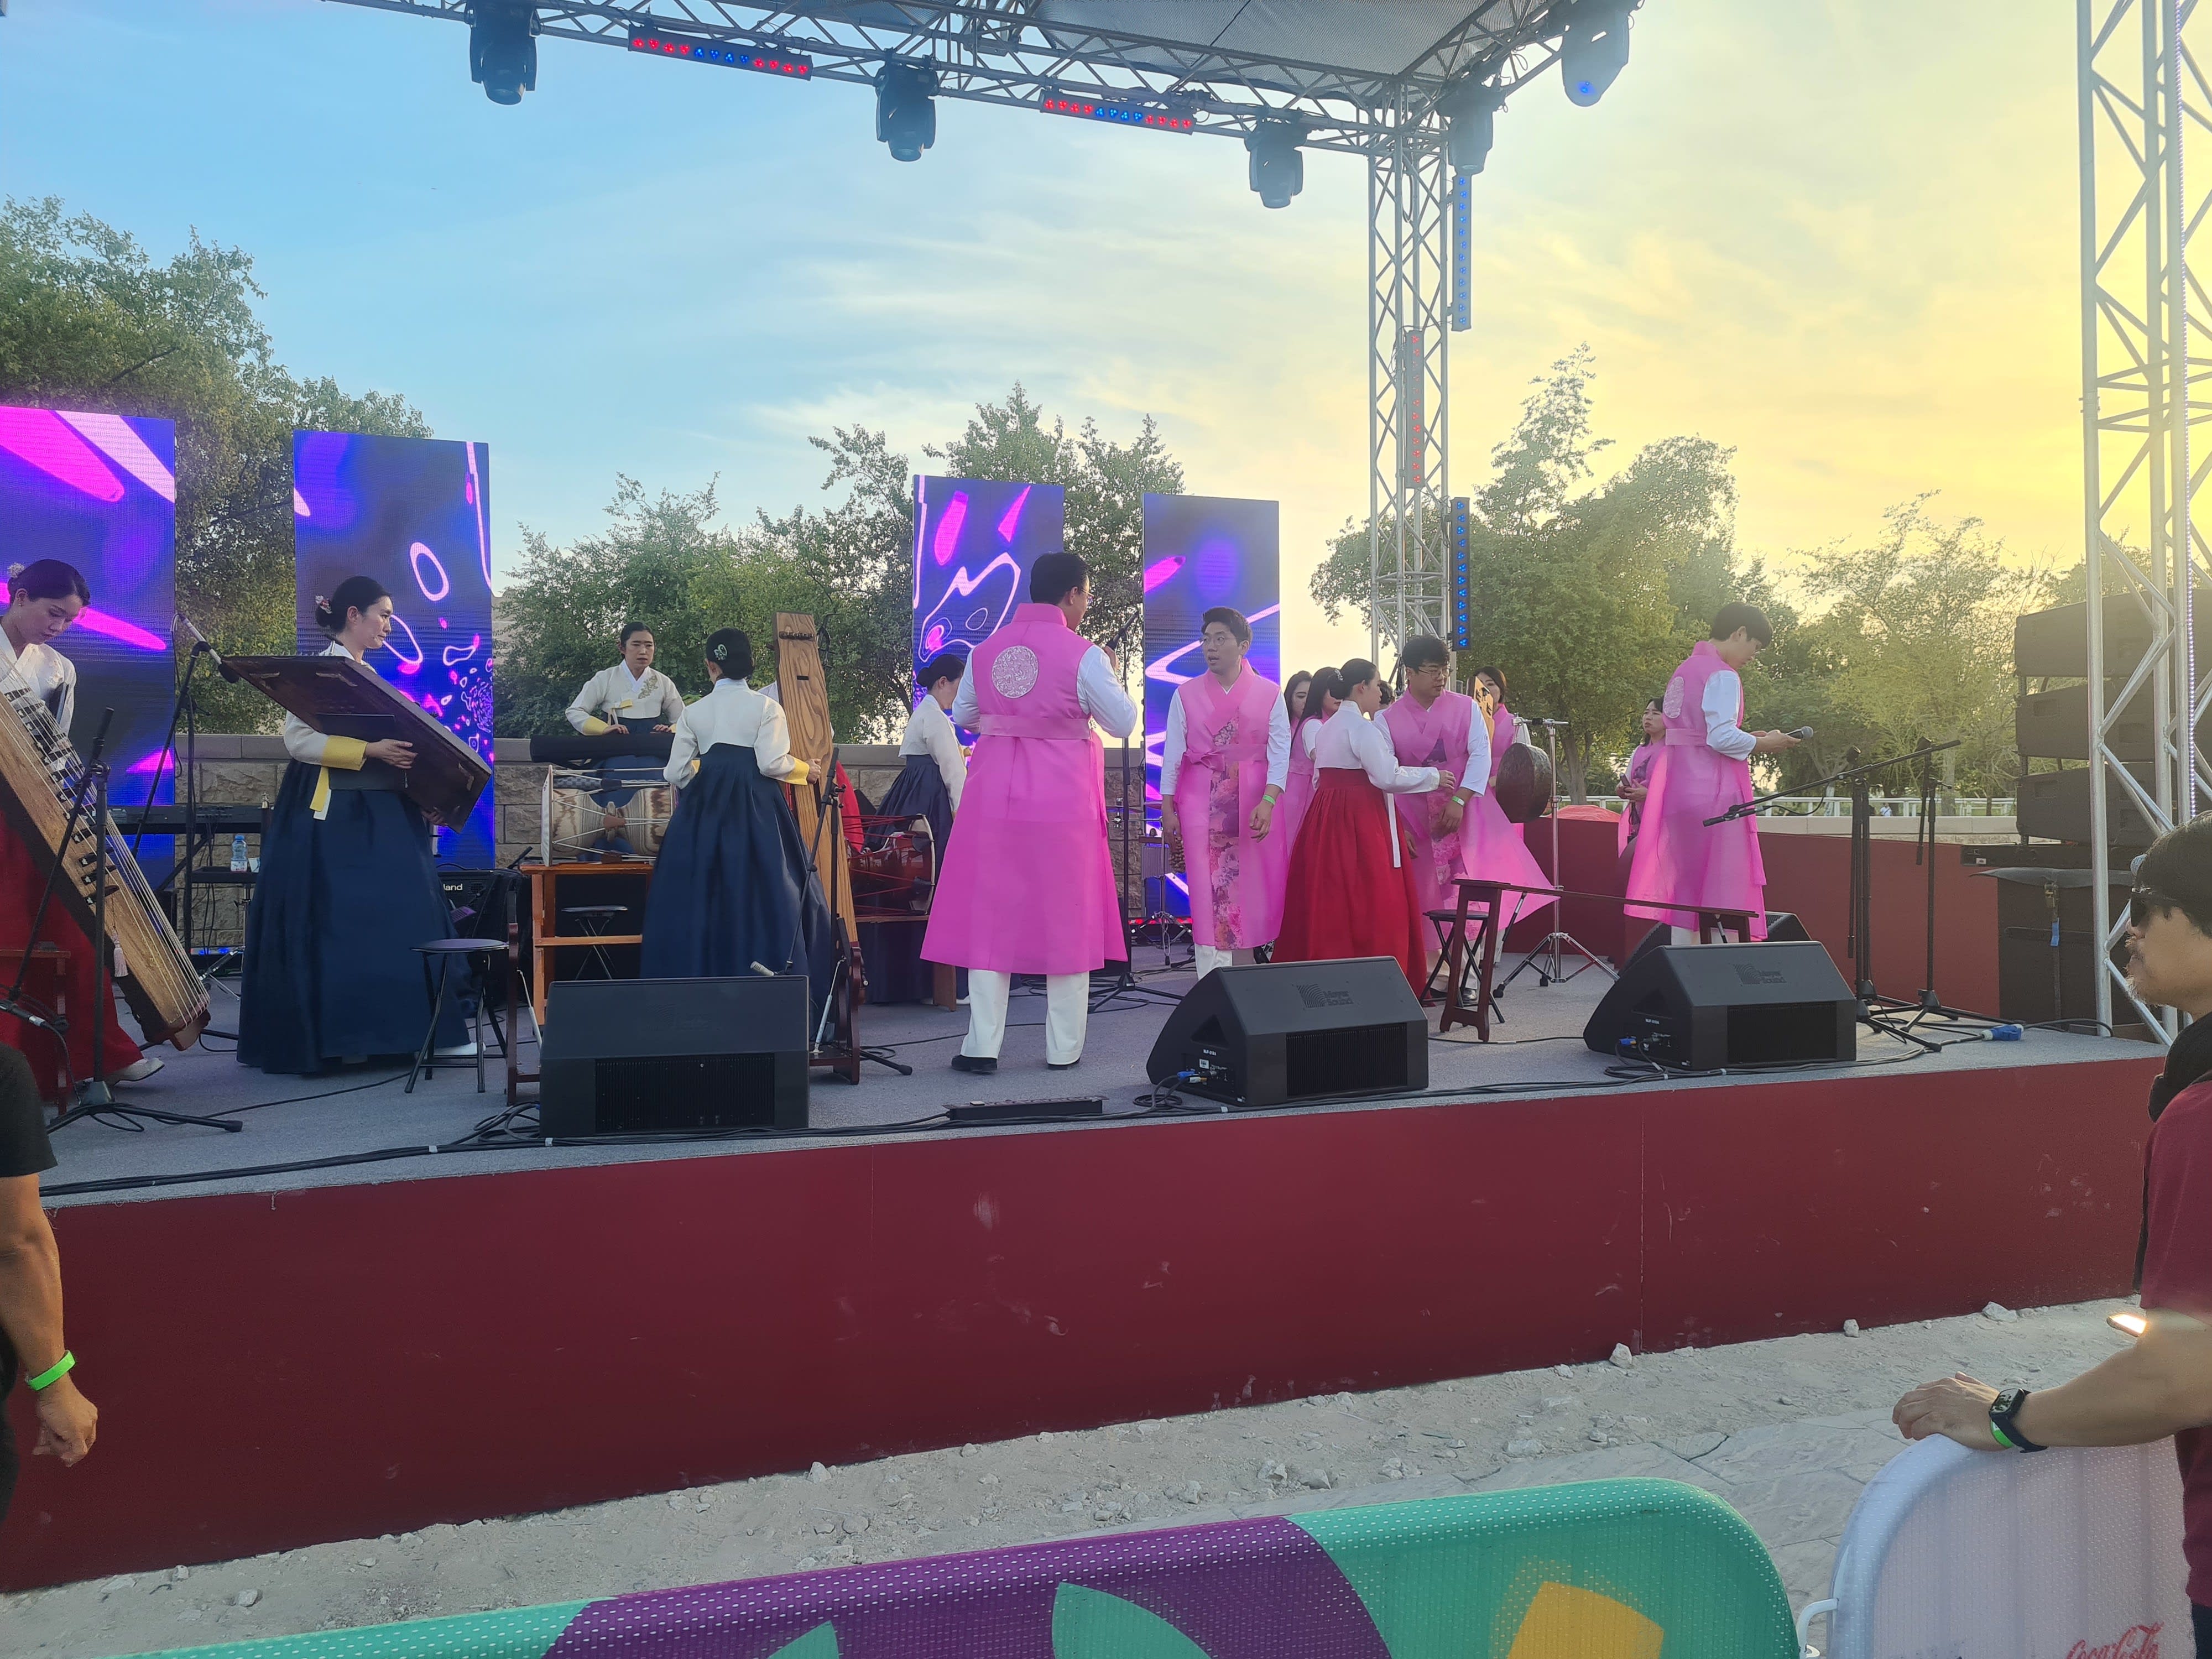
(1638, 793)
(1958, 1407)
(1768, 742)
(392, 752)
(1169, 828)
(1262, 816)
(664, 728)
(68, 1422)
(1455, 813)
(1447, 780)
(616, 725)
(1112, 661)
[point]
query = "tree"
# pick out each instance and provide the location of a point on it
(87, 320)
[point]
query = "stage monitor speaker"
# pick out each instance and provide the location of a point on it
(1783, 928)
(2054, 806)
(631, 1056)
(1280, 1033)
(1700, 1007)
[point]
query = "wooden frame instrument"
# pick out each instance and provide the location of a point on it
(40, 778)
(342, 698)
(805, 695)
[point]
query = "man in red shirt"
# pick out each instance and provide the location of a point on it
(2162, 1384)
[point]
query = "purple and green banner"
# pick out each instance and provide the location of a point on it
(975, 540)
(1594, 1569)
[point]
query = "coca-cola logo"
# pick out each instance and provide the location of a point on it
(2139, 1642)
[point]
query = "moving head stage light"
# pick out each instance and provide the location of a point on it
(1595, 51)
(503, 49)
(906, 109)
(1277, 171)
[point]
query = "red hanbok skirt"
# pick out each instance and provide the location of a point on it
(21, 883)
(1344, 899)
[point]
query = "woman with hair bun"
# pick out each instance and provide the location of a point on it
(1309, 700)
(348, 889)
(733, 884)
(1350, 891)
(44, 598)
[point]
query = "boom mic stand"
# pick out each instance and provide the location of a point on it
(1126, 982)
(1875, 1009)
(1555, 944)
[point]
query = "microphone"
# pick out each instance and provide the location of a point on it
(764, 971)
(1800, 733)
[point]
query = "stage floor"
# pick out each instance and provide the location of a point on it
(357, 1126)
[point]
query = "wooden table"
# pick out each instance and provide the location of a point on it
(1487, 895)
(544, 916)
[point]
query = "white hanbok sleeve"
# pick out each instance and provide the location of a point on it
(966, 708)
(684, 747)
(1171, 747)
(583, 710)
(772, 746)
(1309, 735)
(1478, 755)
(1380, 762)
(1102, 695)
(672, 700)
(1724, 701)
(1278, 746)
(944, 745)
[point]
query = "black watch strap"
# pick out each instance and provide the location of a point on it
(2004, 1414)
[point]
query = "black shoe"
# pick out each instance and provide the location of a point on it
(977, 1063)
(1054, 1065)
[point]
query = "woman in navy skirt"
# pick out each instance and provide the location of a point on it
(733, 884)
(932, 774)
(348, 889)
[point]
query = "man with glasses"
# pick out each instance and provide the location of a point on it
(1685, 869)
(2161, 1383)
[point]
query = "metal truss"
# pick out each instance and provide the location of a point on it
(2142, 96)
(1019, 52)
(1409, 381)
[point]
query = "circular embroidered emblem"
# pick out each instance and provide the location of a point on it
(1014, 672)
(1673, 706)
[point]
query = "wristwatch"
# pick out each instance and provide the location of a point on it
(2004, 1412)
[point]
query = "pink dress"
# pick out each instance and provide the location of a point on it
(1298, 792)
(1682, 868)
(1631, 814)
(1235, 883)
(1486, 846)
(1028, 881)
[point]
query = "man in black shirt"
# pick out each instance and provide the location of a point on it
(31, 1284)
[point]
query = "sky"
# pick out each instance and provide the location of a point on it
(1838, 236)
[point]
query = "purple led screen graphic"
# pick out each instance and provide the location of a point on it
(100, 492)
(414, 513)
(1201, 551)
(975, 540)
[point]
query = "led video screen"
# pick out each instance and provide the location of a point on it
(414, 513)
(975, 540)
(1201, 551)
(100, 492)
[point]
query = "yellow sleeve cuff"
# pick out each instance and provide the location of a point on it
(347, 753)
(798, 772)
(594, 725)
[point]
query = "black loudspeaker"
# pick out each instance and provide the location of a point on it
(628, 1056)
(1700, 1007)
(1279, 1033)
(2054, 806)
(1783, 928)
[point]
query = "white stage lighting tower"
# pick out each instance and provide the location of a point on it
(1277, 171)
(1469, 110)
(503, 49)
(906, 109)
(1595, 51)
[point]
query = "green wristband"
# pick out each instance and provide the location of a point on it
(1998, 1435)
(60, 1369)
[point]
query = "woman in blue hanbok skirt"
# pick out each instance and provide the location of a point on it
(348, 889)
(734, 886)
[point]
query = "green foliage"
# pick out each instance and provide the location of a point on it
(849, 567)
(87, 320)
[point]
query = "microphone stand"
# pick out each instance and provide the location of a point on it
(1125, 978)
(1555, 944)
(1859, 776)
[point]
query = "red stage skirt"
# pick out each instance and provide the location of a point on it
(21, 883)
(1344, 899)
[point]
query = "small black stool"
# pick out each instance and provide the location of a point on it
(592, 921)
(473, 954)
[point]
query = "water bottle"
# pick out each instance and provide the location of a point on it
(238, 854)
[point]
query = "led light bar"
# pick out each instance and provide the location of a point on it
(1128, 115)
(792, 65)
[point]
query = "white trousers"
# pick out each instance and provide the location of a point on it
(1067, 1015)
(1207, 957)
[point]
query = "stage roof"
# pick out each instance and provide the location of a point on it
(1388, 37)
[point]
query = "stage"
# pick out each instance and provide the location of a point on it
(511, 1330)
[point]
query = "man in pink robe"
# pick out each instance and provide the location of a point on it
(1684, 869)
(1027, 883)
(1464, 832)
(1224, 763)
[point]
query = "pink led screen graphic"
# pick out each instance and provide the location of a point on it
(1201, 551)
(974, 541)
(414, 514)
(100, 492)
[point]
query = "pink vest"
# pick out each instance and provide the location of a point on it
(1684, 867)
(1236, 899)
(1028, 883)
(1504, 729)
(1435, 735)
